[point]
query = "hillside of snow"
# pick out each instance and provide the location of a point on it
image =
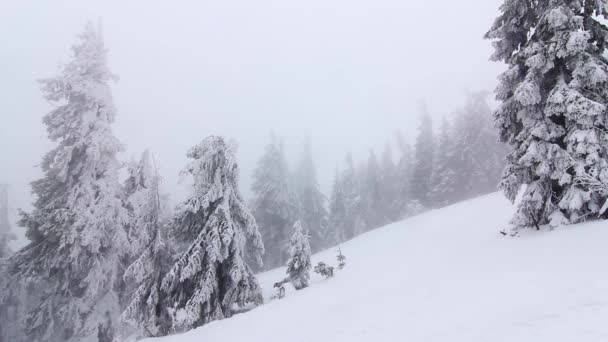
(446, 275)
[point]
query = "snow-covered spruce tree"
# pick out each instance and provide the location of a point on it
(388, 189)
(212, 280)
(141, 190)
(72, 266)
(9, 291)
(360, 176)
(275, 204)
(337, 208)
(313, 213)
(444, 178)
(423, 161)
(406, 204)
(371, 194)
(344, 213)
(553, 111)
(299, 265)
(145, 307)
(6, 232)
(151, 251)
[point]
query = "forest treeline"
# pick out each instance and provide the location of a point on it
(109, 258)
(458, 160)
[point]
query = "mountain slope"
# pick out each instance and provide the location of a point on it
(446, 275)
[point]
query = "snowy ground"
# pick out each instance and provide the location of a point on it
(446, 275)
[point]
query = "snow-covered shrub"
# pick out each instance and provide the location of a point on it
(324, 269)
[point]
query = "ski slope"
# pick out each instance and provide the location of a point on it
(446, 275)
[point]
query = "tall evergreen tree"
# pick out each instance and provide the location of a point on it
(72, 266)
(406, 204)
(142, 189)
(299, 264)
(212, 279)
(444, 177)
(151, 250)
(312, 209)
(275, 204)
(423, 161)
(371, 194)
(337, 211)
(6, 233)
(345, 217)
(553, 110)
(388, 187)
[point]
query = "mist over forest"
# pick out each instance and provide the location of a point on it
(321, 171)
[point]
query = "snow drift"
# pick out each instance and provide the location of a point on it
(446, 275)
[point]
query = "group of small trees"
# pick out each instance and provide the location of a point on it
(281, 198)
(299, 263)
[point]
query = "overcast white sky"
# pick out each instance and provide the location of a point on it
(347, 73)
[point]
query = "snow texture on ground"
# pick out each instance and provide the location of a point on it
(446, 275)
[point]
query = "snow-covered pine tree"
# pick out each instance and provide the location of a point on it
(72, 266)
(145, 307)
(344, 214)
(371, 194)
(275, 204)
(9, 295)
(313, 214)
(151, 250)
(212, 279)
(6, 232)
(553, 111)
(143, 200)
(337, 208)
(388, 190)
(444, 176)
(423, 162)
(405, 203)
(299, 265)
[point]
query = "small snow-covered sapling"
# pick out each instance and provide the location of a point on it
(341, 259)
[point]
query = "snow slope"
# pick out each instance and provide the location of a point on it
(446, 275)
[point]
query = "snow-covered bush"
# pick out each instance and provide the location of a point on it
(324, 269)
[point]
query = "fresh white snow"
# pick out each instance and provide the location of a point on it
(446, 275)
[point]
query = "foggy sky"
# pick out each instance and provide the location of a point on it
(345, 73)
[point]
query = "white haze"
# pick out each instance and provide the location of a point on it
(345, 73)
